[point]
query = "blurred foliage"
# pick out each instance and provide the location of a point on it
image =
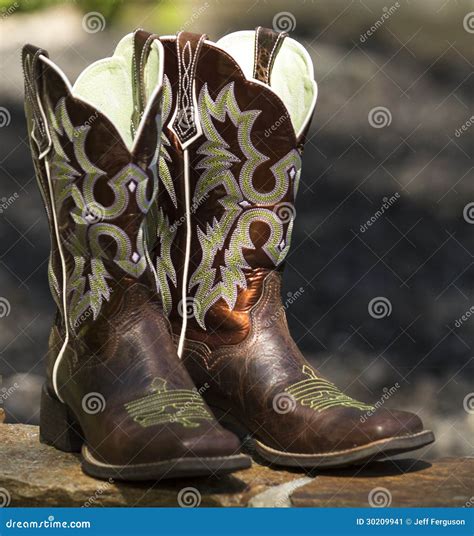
(8, 7)
(108, 8)
(165, 15)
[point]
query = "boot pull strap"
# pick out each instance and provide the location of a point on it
(142, 42)
(33, 75)
(188, 48)
(267, 46)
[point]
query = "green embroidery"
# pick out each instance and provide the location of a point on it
(164, 171)
(165, 270)
(320, 394)
(160, 233)
(240, 200)
(182, 406)
(232, 273)
(131, 262)
(287, 171)
(61, 169)
(53, 283)
(78, 179)
(82, 301)
(129, 181)
(218, 157)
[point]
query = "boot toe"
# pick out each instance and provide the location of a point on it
(391, 423)
(217, 442)
(347, 428)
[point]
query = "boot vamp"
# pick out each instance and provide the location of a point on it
(303, 430)
(268, 388)
(134, 400)
(283, 402)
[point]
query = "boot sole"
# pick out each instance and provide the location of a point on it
(59, 429)
(173, 468)
(375, 450)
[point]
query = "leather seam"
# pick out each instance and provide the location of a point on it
(252, 338)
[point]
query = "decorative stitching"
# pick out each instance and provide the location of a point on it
(255, 58)
(320, 394)
(280, 37)
(240, 202)
(181, 406)
(92, 219)
(184, 123)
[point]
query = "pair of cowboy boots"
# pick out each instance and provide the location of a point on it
(169, 173)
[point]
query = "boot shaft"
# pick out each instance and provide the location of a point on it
(235, 119)
(95, 156)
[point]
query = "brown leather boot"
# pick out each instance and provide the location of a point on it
(235, 117)
(116, 388)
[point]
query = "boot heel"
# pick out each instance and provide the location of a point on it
(57, 426)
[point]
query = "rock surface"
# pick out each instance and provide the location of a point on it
(33, 474)
(448, 482)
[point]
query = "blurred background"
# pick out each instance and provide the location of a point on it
(384, 237)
